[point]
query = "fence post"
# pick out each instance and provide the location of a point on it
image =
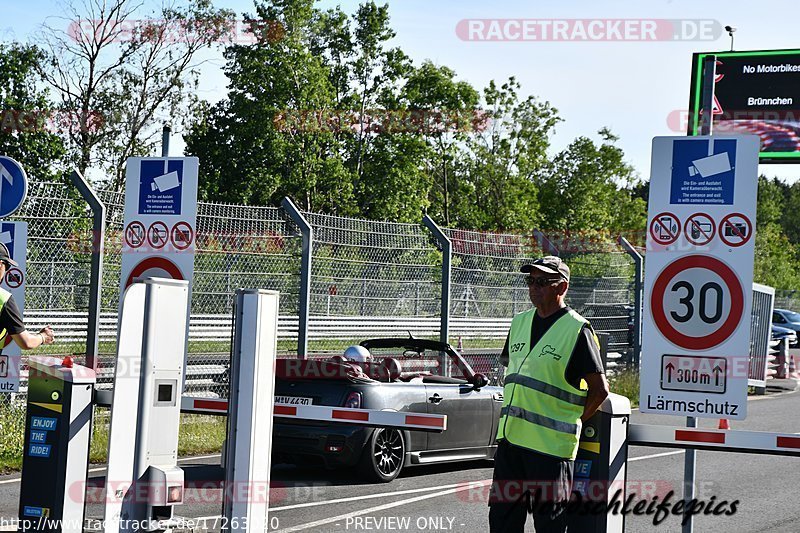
(96, 272)
(545, 243)
(447, 255)
(304, 298)
(637, 299)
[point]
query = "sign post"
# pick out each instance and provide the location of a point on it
(13, 190)
(13, 186)
(699, 276)
(160, 220)
(15, 236)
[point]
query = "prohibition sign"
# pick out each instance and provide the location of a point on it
(732, 286)
(157, 234)
(700, 229)
(665, 228)
(182, 235)
(134, 234)
(732, 229)
(158, 265)
(14, 278)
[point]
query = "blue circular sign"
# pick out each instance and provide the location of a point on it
(13, 186)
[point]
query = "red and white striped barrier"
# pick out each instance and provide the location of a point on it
(322, 413)
(710, 439)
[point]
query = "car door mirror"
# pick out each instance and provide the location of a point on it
(479, 381)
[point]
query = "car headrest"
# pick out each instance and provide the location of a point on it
(338, 359)
(391, 369)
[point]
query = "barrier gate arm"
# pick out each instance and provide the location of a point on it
(761, 442)
(322, 413)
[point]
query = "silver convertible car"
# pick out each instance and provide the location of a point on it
(408, 375)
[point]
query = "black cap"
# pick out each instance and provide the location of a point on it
(5, 257)
(550, 264)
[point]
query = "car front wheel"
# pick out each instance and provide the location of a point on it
(382, 459)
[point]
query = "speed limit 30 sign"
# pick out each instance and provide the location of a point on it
(697, 302)
(698, 282)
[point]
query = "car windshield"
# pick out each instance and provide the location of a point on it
(422, 363)
(791, 316)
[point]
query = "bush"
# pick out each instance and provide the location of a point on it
(198, 434)
(626, 383)
(12, 435)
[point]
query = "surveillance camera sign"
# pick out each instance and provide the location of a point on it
(160, 186)
(701, 175)
(699, 276)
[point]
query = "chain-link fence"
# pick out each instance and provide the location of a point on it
(57, 267)
(236, 246)
(367, 279)
(487, 284)
(363, 268)
(787, 299)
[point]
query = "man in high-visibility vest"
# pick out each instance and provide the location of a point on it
(11, 322)
(554, 381)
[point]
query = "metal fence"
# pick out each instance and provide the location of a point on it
(367, 278)
(59, 224)
(787, 299)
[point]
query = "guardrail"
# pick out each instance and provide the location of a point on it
(72, 326)
(205, 368)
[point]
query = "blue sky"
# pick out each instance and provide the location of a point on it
(631, 87)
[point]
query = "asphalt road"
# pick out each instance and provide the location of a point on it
(453, 498)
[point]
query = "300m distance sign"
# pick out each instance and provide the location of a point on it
(697, 302)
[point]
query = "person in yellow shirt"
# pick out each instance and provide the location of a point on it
(554, 381)
(11, 322)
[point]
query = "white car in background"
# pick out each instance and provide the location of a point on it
(787, 319)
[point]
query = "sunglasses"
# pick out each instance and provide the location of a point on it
(541, 282)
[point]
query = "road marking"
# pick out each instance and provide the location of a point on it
(100, 469)
(664, 454)
(472, 485)
(351, 499)
(368, 496)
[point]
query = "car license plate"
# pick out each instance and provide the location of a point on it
(292, 400)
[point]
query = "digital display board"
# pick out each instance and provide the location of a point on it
(755, 92)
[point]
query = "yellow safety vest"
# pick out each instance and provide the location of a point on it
(541, 409)
(4, 296)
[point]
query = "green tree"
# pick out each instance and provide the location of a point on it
(28, 123)
(790, 221)
(771, 206)
(119, 77)
(306, 117)
(591, 187)
(776, 258)
(446, 109)
(496, 185)
(254, 146)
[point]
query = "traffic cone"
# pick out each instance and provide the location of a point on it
(792, 373)
(724, 423)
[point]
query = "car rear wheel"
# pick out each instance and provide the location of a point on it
(382, 459)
